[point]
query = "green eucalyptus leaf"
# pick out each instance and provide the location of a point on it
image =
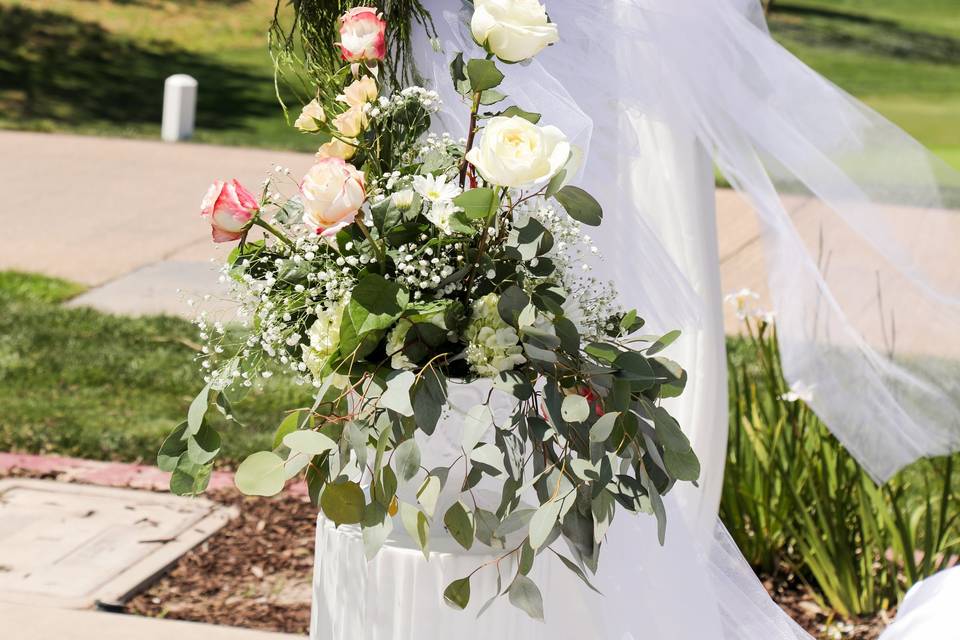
(198, 409)
(663, 342)
(603, 427)
(490, 457)
(575, 408)
(525, 595)
(529, 116)
(602, 508)
(406, 459)
(397, 395)
(429, 493)
(172, 448)
(476, 423)
(204, 445)
(377, 526)
(417, 526)
(487, 523)
(457, 593)
(311, 443)
(189, 478)
(459, 522)
(261, 474)
(572, 566)
(543, 522)
(289, 424)
(343, 503)
(580, 205)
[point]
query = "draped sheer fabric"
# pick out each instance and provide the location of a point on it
(868, 310)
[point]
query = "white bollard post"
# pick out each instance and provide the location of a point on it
(179, 107)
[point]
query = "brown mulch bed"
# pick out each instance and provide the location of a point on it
(255, 572)
(795, 598)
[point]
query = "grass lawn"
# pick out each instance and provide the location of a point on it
(82, 383)
(902, 57)
(97, 66)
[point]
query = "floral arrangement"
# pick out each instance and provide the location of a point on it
(406, 262)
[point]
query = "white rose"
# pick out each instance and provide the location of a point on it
(513, 30)
(514, 152)
(332, 192)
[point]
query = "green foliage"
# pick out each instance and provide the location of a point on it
(797, 502)
(81, 383)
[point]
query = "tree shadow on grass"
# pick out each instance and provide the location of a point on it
(54, 67)
(837, 29)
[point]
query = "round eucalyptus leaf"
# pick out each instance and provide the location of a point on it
(261, 474)
(525, 595)
(575, 408)
(310, 443)
(343, 503)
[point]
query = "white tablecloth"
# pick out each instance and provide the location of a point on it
(399, 596)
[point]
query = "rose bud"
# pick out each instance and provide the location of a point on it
(513, 30)
(230, 207)
(333, 191)
(362, 35)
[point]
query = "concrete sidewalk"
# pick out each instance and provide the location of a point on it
(121, 216)
(19, 622)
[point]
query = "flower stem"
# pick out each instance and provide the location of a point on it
(263, 224)
(377, 248)
(471, 134)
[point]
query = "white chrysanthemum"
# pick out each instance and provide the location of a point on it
(324, 335)
(441, 215)
(435, 188)
(493, 346)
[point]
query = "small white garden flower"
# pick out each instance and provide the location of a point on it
(799, 391)
(403, 200)
(742, 301)
(435, 188)
(441, 214)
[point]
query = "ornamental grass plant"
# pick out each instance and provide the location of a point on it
(797, 503)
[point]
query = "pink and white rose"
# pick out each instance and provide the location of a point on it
(363, 35)
(333, 192)
(230, 208)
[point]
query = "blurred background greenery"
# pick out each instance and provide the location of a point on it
(97, 66)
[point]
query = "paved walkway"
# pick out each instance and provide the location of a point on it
(19, 622)
(121, 216)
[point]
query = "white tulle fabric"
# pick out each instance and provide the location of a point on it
(868, 312)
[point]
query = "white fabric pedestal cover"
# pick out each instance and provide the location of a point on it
(399, 596)
(930, 611)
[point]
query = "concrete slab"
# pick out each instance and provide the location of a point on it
(162, 288)
(71, 545)
(92, 209)
(20, 622)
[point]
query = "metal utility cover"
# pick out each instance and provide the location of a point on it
(72, 545)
